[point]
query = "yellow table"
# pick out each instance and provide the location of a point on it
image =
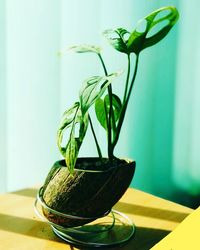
(20, 229)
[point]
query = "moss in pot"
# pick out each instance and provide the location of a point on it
(88, 188)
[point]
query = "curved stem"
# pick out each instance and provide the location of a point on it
(133, 79)
(103, 64)
(95, 138)
(124, 107)
(127, 78)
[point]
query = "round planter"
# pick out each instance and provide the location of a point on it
(89, 193)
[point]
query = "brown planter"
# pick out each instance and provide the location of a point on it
(90, 192)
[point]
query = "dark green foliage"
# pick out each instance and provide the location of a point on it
(109, 109)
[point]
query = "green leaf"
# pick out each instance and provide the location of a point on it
(137, 41)
(67, 120)
(75, 142)
(71, 153)
(117, 39)
(93, 88)
(72, 118)
(116, 106)
(83, 128)
(140, 40)
(100, 112)
(102, 108)
(85, 48)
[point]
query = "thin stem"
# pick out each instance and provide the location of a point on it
(110, 155)
(103, 64)
(107, 122)
(127, 79)
(111, 114)
(133, 79)
(124, 107)
(95, 139)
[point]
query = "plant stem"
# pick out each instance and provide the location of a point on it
(124, 107)
(111, 114)
(95, 138)
(103, 64)
(133, 79)
(110, 155)
(127, 79)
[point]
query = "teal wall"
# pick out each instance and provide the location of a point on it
(37, 86)
(32, 35)
(3, 151)
(151, 116)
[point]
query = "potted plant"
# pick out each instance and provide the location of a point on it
(87, 188)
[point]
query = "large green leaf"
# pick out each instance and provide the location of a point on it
(72, 118)
(140, 40)
(137, 40)
(93, 88)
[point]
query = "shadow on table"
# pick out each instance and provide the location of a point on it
(28, 227)
(151, 212)
(143, 239)
(127, 208)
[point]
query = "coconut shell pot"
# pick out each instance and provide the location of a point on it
(89, 193)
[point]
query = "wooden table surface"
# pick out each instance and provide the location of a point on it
(20, 229)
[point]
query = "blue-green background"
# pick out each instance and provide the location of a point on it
(161, 129)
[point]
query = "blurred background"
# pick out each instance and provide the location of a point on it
(161, 130)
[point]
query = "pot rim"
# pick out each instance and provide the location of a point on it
(61, 163)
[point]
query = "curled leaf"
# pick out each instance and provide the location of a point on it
(83, 48)
(93, 88)
(117, 39)
(72, 118)
(67, 120)
(71, 153)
